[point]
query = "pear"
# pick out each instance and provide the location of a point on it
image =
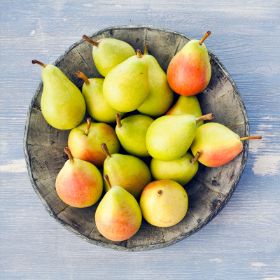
(164, 203)
(127, 171)
(160, 96)
(79, 183)
(97, 106)
(169, 137)
(85, 141)
(181, 170)
(189, 71)
(186, 105)
(107, 53)
(126, 86)
(217, 144)
(118, 216)
(62, 104)
(131, 132)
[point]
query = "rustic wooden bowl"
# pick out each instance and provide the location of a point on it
(208, 192)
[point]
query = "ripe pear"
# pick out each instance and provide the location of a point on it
(118, 216)
(62, 104)
(189, 71)
(97, 106)
(107, 53)
(79, 183)
(217, 144)
(131, 132)
(181, 170)
(169, 137)
(164, 203)
(160, 96)
(85, 141)
(127, 171)
(186, 105)
(127, 86)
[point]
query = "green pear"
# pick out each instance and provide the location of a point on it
(118, 216)
(131, 132)
(62, 104)
(217, 144)
(126, 86)
(79, 183)
(160, 96)
(186, 105)
(97, 106)
(127, 171)
(107, 53)
(169, 137)
(181, 170)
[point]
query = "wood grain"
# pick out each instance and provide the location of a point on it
(242, 242)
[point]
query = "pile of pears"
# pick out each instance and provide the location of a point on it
(144, 131)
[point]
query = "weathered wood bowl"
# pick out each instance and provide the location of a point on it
(208, 192)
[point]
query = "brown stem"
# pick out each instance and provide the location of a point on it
(91, 41)
(68, 153)
(82, 76)
(118, 120)
(105, 150)
(88, 126)
(205, 36)
(159, 192)
(35, 61)
(195, 158)
(250, 137)
(207, 117)
(146, 49)
(138, 53)
(107, 180)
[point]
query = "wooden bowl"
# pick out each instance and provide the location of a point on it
(208, 192)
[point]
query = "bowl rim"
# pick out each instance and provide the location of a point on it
(182, 235)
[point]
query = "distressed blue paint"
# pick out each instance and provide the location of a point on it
(243, 242)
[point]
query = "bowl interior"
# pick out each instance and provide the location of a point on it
(208, 191)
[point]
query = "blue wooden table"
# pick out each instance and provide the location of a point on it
(243, 241)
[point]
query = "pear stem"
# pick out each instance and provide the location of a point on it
(35, 61)
(195, 158)
(205, 36)
(107, 180)
(68, 153)
(82, 76)
(118, 120)
(88, 126)
(138, 53)
(105, 150)
(207, 117)
(91, 41)
(146, 49)
(250, 137)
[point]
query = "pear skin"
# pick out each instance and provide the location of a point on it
(181, 170)
(169, 137)
(107, 53)
(62, 103)
(79, 183)
(186, 105)
(164, 203)
(131, 132)
(118, 216)
(85, 141)
(97, 106)
(189, 71)
(217, 143)
(127, 171)
(160, 96)
(126, 87)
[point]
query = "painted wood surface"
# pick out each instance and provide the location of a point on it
(243, 241)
